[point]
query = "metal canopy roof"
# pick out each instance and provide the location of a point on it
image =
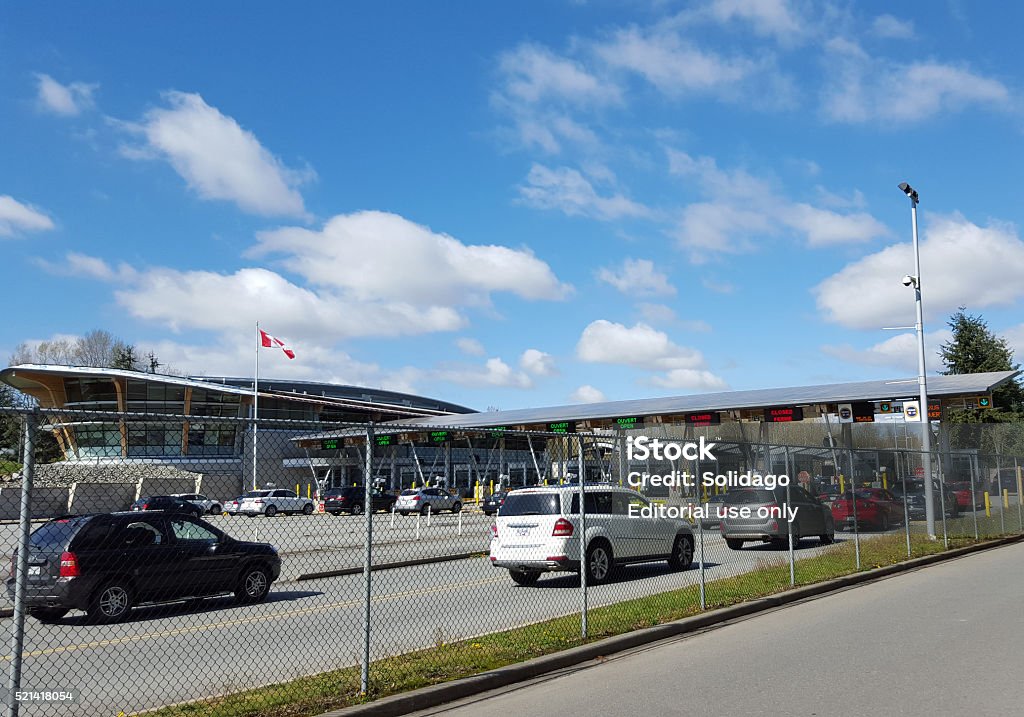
(938, 386)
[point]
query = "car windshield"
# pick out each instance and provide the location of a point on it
(257, 494)
(409, 491)
(530, 504)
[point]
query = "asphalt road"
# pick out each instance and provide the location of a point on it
(944, 640)
(174, 653)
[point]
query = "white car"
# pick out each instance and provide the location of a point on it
(538, 530)
(270, 502)
(208, 505)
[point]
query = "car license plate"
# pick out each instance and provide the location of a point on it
(35, 570)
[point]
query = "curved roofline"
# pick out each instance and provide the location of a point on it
(344, 393)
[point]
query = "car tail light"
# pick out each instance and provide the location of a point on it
(145, 506)
(68, 565)
(563, 529)
(775, 525)
(416, 497)
(494, 531)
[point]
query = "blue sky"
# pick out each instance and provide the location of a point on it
(512, 204)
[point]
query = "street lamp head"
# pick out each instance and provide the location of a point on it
(909, 280)
(909, 191)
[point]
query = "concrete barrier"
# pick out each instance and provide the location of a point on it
(101, 497)
(46, 502)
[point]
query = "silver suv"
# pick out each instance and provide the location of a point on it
(538, 530)
(424, 500)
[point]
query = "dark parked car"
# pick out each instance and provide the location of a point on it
(106, 563)
(766, 524)
(351, 499)
(491, 503)
(915, 499)
(168, 504)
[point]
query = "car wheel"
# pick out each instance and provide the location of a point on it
(47, 615)
(827, 538)
(524, 577)
(270, 511)
(111, 603)
(458, 507)
(403, 512)
(599, 562)
(254, 585)
(427, 509)
(307, 509)
(357, 508)
(682, 553)
(733, 543)
(796, 538)
(884, 523)
(197, 514)
(215, 509)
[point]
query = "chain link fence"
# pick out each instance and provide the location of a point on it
(157, 560)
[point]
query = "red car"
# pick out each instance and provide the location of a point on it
(962, 491)
(876, 508)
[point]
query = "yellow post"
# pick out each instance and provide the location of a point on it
(492, 488)
(1006, 497)
(297, 489)
(988, 505)
(414, 485)
(885, 482)
(309, 490)
(1020, 488)
(842, 484)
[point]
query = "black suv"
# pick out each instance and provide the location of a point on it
(351, 499)
(916, 502)
(108, 562)
(167, 503)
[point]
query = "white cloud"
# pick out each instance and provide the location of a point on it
(16, 217)
(217, 157)
(962, 264)
(67, 100)
(689, 378)
(76, 264)
(638, 277)
(566, 190)
(1015, 338)
(537, 363)
(718, 286)
(587, 394)
(494, 373)
(644, 347)
(470, 347)
(665, 315)
(891, 27)
(765, 17)
(533, 74)
(743, 208)
(898, 352)
(865, 89)
(380, 256)
(672, 65)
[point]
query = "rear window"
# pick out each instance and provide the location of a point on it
(747, 497)
(56, 533)
(530, 504)
(409, 491)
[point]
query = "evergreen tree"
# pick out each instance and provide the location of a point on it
(975, 349)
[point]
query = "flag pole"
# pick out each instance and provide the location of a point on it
(255, 404)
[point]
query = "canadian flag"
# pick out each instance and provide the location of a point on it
(269, 342)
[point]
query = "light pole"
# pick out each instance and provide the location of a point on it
(926, 428)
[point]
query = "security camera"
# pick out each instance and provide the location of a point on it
(908, 280)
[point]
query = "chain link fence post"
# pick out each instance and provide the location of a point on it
(1020, 495)
(789, 523)
(364, 678)
(974, 500)
(29, 423)
(583, 539)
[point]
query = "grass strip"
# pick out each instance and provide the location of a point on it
(450, 661)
